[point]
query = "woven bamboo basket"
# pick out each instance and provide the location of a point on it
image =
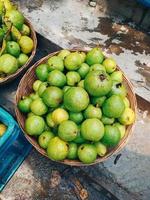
(24, 67)
(25, 88)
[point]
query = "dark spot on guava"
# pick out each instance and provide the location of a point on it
(102, 77)
(118, 85)
(82, 148)
(44, 137)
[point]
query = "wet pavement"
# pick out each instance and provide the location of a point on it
(71, 24)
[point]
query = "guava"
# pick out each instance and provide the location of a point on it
(117, 76)
(13, 48)
(34, 125)
(83, 56)
(44, 139)
(36, 85)
(81, 84)
(42, 88)
(52, 96)
(107, 120)
(92, 112)
(65, 88)
(42, 72)
(98, 101)
(96, 67)
(22, 59)
(113, 107)
(87, 153)
(127, 117)
(68, 130)
(57, 149)
(111, 136)
(38, 107)
(121, 128)
(56, 78)
(3, 129)
(8, 64)
(16, 18)
(73, 61)
(118, 89)
(92, 129)
(50, 121)
(72, 78)
(55, 62)
(26, 44)
(24, 105)
(76, 99)
(63, 53)
(83, 70)
(25, 30)
(72, 152)
(98, 83)
(59, 115)
(126, 102)
(110, 65)
(76, 117)
(101, 149)
(95, 56)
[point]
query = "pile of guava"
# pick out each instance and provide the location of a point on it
(15, 39)
(79, 107)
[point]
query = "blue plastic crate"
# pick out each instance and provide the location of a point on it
(13, 148)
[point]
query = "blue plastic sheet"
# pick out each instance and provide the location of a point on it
(145, 2)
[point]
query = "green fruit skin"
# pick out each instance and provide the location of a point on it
(79, 139)
(107, 120)
(34, 125)
(38, 107)
(34, 96)
(81, 84)
(118, 89)
(92, 112)
(42, 72)
(44, 139)
(126, 102)
(42, 88)
(117, 76)
(83, 56)
(87, 153)
(30, 114)
(56, 78)
(83, 70)
(72, 78)
(8, 64)
(96, 67)
(97, 83)
(49, 120)
(76, 99)
(55, 62)
(73, 149)
(65, 88)
(92, 129)
(36, 85)
(73, 61)
(95, 56)
(76, 117)
(98, 101)
(67, 130)
(22, 59)
(63, 53)
(13, 48)
(101, 149)
(121, 128)
(52, 96)
(57, 149)
(25, 30)
(127, 117)
(111, 136)
(110, 65)
(113, 107)
(24, 105)
(16, 18)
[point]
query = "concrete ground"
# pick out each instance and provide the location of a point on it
(72, 24)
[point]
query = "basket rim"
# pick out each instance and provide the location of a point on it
(26, 65)
(115, 150)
